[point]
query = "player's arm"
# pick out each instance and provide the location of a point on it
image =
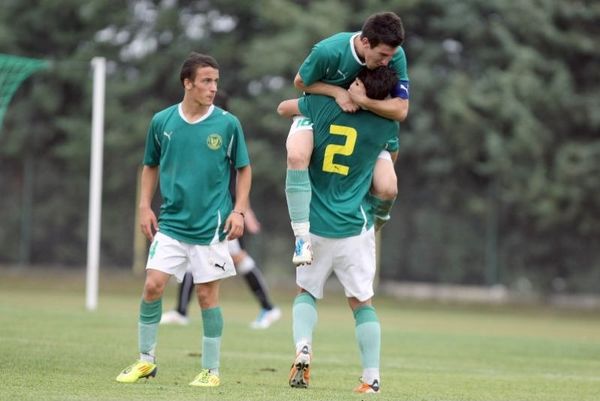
(393, 108)
(341, 95)
(149, 181)
(234, 225)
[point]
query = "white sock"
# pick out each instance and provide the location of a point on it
(370, 374)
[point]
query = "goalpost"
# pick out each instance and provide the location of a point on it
(95, 202)
(13, 71)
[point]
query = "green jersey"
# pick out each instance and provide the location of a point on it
(334, 61)
(346, 146)
(194, 162)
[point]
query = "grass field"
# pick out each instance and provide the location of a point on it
(51, 348)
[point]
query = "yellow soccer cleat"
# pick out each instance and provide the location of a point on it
(137, 371)
(206, 379)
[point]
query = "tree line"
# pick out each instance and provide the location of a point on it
(499, 167)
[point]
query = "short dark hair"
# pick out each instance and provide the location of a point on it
(193, 62)
(385, 27)
(378, 81)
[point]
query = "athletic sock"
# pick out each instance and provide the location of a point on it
(150, 313)
(256, 282)
(212, 321)
(380, 208)
(298, 193)
(305, 317)
(368, 336)
(186, 288)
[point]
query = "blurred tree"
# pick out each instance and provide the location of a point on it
(500, 155)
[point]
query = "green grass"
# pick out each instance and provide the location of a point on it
(51, 348)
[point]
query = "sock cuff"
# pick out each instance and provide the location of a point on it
(297, 180)
(305, 298)
(212, 322)
(365, 314)
(150, 312)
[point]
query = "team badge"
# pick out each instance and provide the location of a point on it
(214, 141)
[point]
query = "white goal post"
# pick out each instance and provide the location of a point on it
(95, 202)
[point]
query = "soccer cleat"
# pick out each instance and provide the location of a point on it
(266, 318)
(206, 379)
(366, 388)
(137, 371)
(174, 317)
(302, 252)
(300, 371)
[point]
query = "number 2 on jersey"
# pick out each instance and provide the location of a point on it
(344, 150)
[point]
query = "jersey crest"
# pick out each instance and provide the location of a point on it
(214, 141)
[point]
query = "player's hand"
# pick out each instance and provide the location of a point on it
(251, 222)
(345, 102)
(357, 92)
(234, 226)
(148, 222)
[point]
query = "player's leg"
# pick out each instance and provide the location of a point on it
(184, 295)
(304, 315)
(355, 268)
(212, 325)
(368, 337)
(209, 265)
(384, 189)
(310, 280)
(299, 146)
(165, 259)
(246, 266)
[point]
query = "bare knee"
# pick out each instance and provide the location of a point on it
(208, 294)
(385, 182)
(299, 148)
(153, 288)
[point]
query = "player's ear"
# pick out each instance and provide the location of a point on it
(365, 42)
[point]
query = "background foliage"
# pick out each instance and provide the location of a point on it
(500, 160)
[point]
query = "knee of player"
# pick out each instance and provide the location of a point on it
(153, 290)
(385, 189)
(297, 158)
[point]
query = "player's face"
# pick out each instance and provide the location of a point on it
(378, 56)
(204, 87)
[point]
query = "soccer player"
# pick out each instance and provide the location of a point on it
(190, 147)
(328, 70)
(244, 265)
(243, 262)
(342, 234)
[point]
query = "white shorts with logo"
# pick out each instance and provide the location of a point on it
(300, 123)
(206, 262)
(352, 260)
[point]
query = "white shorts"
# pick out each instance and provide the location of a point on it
(300, 123)
(206, 262)
(352, 260)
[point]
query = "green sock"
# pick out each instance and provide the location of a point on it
(304, 315)
(298, 193)
(368, 336)
(150, 313)
(380, 209)
(212, 321)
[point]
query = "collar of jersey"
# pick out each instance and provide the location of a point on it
(204, 117)
(358, 60)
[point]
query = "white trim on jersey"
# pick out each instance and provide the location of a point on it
(204, 117)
